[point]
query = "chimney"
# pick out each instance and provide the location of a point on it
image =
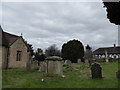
(114, 45)
(21, 34)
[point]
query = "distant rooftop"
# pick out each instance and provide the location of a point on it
(110, 50)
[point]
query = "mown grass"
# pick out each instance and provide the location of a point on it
(78, 78)
(0, 78)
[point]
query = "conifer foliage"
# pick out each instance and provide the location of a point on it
(72, 50)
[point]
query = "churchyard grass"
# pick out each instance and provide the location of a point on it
(77, 78)
(0, 78)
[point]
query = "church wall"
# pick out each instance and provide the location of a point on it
(3, 57)
(19, 45)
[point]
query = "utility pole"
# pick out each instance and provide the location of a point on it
(118, 35)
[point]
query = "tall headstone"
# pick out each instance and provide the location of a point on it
(28, 65)
(68, 65)
(96, 71)
(79, 61)
(43, 66)
(90, 61)
(118, 74)
(86, 61)
(54, 66)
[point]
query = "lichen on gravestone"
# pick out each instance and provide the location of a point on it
(54, 66)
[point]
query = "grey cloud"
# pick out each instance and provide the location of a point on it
(43, 24)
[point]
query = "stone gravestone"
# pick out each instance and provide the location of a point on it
(96, 71)
(43, 66)
(28, 65)
(118, 74)
(90, 61)
(32, 65)
(69, 65)
(35, 62)
(67, 62)
(86, 61)
(79, 61)
(54, 66)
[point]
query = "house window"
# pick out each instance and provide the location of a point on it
(18, 56)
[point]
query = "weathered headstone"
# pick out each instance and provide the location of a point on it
(63, 62)
(79, 61)
(86, 61)
(96, 71)
(118, 74)
(43, 66)
(68, 62)
(32, 65)
(90, 61)
(54, 66)
(35, 62)
(28, 65)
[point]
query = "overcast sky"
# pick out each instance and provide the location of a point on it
(44, 24)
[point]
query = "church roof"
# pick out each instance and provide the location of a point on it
(7, 38)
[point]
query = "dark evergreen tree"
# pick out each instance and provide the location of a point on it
(72, 50)
(39, 50)
(39, 56)
(30, 49)
(42, 57)
(88, 47)
(113, 11)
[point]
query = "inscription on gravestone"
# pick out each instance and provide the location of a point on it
(96, 71)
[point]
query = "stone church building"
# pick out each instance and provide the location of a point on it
(14, 51)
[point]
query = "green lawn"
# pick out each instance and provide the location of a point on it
(78, 78)
(0, 78)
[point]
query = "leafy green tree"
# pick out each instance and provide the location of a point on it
(72, 50)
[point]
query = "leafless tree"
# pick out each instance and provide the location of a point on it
(53, 50)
